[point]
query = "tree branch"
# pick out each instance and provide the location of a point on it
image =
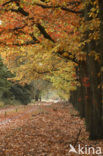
(19, 44)
(8, 2)
(34, 38)
(57, 7)
(19, 10)
(43, 31)
(67, 57)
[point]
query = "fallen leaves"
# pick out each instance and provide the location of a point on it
(48, 130)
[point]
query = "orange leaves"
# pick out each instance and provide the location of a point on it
(28, 21)
(51, 17)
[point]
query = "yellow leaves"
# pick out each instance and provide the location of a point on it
(90, 26)
(81, 56)
(64, 78)
(65, 54)
(94, 9)
(93, 13)
(92, 53)
(56, 48)
(94, 24)
(32, 62)
(70, 64)
(95, 55)
(94, 35)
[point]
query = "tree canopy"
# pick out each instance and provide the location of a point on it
(35, 35)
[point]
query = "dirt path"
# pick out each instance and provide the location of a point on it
(47, 130)
(9, 115)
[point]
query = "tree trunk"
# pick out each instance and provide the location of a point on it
(95, 125)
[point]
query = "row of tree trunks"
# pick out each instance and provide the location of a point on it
(89, 97)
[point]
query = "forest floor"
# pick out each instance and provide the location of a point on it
(44, 129)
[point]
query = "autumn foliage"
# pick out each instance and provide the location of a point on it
(61, 41)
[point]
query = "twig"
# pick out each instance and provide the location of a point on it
(77, 138)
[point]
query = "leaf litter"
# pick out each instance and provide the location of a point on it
(47, 130)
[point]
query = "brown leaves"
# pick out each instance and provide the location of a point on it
(44, 132)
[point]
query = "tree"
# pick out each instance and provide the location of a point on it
(90, 78)
(22, 93)
(4, 83)
(9, 91)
